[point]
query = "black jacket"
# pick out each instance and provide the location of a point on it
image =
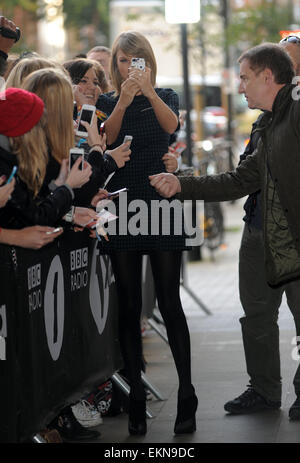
(276, 161)
(252, 205)
(25, 210)
(102, 166)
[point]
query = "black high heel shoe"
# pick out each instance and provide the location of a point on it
(186, 421)
(137, 425)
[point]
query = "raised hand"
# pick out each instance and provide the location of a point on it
(63, 173)
(143, 80)
(129, 89)
(102, 194)
(121, 154)
(32, 237)
(170, 162)
(84, 215)
(94, 137)
(6, 191)
(77, 176)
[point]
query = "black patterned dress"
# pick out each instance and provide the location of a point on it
(150, 142)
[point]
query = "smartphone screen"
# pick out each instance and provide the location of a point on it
(102, 129)
(86, 116)
(73, 159)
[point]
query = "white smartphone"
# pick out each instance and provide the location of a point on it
(87, 114)
(128, 138)
(108, 179)
(138, 63)
(56, 230)
(74, 154)
(116, 193)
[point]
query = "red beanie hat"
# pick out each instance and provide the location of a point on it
(20, 110)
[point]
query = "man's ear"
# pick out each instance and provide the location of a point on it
(268, 75)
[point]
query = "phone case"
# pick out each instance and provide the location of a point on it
(83, 132)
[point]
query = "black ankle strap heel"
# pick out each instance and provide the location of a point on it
(137, 425)
(186, 421)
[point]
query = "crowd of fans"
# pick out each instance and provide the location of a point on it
(40, 193)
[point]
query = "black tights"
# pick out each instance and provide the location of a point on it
(127, 267)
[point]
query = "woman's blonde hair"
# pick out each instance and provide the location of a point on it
(32, 152)
(11, 61)
(54, 87)
(133, 44)
(26, 66)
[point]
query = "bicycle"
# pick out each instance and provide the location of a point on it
(212, 158)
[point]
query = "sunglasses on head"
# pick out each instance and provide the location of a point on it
(290, 39)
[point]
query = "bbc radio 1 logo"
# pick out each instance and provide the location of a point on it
(79, 259)
(35, 300)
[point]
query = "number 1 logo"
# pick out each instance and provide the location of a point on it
(54, 307)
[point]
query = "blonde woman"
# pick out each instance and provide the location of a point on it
(25, 66)
(54, 87)
(150, 115)
(29, 237)
(23, 145)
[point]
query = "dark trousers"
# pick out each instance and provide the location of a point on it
(259, 325)
(166, 265)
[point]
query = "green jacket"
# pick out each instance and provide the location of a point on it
(273, 168)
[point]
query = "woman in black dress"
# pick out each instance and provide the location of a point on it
(150, 116)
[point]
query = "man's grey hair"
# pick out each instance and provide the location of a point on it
(99, 48)
(270, 56)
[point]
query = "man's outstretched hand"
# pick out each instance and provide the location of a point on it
(167, 185)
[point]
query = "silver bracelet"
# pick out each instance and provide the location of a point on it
(96, 144)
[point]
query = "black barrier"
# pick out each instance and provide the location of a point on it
(58, 330)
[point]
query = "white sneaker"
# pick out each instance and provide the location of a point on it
(86, 414)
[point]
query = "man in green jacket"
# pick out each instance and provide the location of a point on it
(265, 77)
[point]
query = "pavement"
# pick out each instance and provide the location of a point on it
(218, 365)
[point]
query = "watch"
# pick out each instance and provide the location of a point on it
(69, 215)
